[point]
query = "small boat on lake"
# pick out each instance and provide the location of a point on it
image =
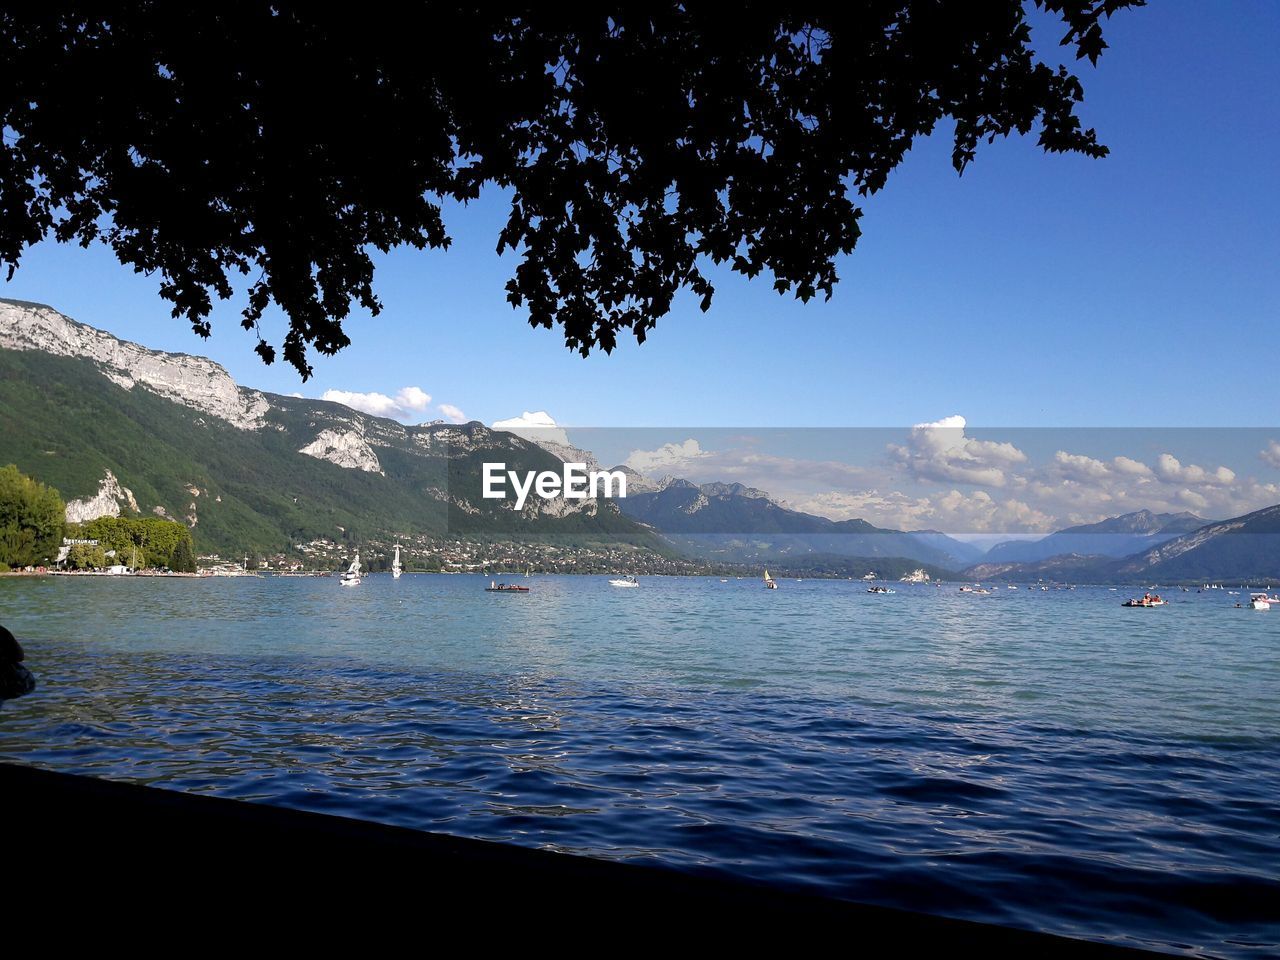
(878, 589)
(624, 582)
(1261, 601)
(396, 569)
(352, 577)
(769, 582)
(504, 588)
(1146, 600)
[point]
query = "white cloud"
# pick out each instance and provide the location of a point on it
(538, 427)
(669, 458)
(1169, 469)
(1193, 500)
(452, 413)
(408, 404)
(953, 511)
(941, 452)
(1080, 467)
(1067, 489)
(412, 398)
(1271, 455)
(1133, 468)
(1080, 489)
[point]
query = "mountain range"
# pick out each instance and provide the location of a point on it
(1119, 536)
(731, 522)
(1240, 550)
(116, 428)
(121, 429)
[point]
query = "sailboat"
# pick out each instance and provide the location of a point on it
(352, 577)
(769, 582)
(396, 569)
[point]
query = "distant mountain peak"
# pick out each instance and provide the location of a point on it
(1140, 521)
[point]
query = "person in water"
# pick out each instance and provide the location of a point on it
(15, 679)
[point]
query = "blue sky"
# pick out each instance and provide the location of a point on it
(1034, 291)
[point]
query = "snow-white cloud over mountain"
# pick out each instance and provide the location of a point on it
(952, 511)
(940, 451)
(409, 403)
(670, 458)
(1169, 468)
(538, 426)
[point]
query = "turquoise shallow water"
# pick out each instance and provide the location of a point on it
(1042, 759)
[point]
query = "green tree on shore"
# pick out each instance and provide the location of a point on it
(87, 556)
(32, 518)
(184, 558)
(141, 542)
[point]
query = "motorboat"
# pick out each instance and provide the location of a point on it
(878, 589)
(1261, 601)
(624, 582)
(504, 588)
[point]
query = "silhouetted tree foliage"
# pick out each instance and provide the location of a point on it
(286, 142)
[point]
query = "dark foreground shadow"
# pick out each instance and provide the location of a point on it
(113, 857)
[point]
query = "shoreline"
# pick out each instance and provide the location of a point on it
(1051, 586)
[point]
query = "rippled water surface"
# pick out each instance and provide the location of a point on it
(1040, 759)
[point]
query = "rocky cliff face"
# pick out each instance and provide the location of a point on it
(347, 449)
(105, 503)
(638, 483)
(552, 440)
(192, 381)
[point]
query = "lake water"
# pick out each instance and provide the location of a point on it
(1047, 760)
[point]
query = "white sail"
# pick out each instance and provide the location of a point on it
(395, 564)
(352, 577)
